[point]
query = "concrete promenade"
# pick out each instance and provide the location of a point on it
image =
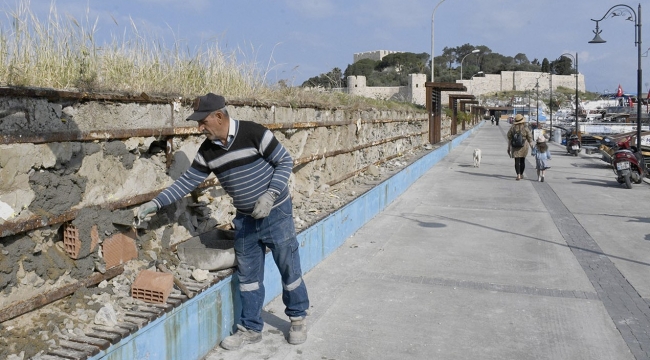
(470, 264)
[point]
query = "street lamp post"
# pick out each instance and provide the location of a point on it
(575, 64)
(625, 10)
(433, 59)
(528, 93)
(550, 103)
(472, 83)
(463, 59)
(537, 104)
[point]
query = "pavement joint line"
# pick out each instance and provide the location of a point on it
(613, 289)
(475, 285)
(593, 262)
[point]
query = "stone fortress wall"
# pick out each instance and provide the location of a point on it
(521, 81)
(415, 91)
(376, 55)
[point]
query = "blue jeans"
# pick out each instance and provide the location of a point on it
(253, 236)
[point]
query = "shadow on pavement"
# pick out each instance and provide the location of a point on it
(281, 325)
(532, 238)
(591, 182)
(425, 224)
(500, 176)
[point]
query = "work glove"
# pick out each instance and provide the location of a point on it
(263, 205)
(146, 209)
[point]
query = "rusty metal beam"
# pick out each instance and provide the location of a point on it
(306, 125)
(310, 158)
(357, 172)
(12, 228)
(21, 307)
(62, 136)
(55, 95)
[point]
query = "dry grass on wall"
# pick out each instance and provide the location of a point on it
(62, 52)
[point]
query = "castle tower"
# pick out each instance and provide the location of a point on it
(416, 88)
(356, 85)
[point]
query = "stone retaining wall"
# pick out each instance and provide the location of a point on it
(91, 159)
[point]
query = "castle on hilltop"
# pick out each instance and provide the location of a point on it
(415, 91)
(376, 55)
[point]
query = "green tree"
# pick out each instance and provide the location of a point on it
(521, 59)
(404, 62)
(332, 79)
(546, 66)
(563, 66)
(363, 67)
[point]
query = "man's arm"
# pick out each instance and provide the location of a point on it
(189, 181)
(281, 160)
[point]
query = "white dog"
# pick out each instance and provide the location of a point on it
(477, 157)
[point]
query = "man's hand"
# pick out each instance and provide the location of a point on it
(263, 205)
(146, 209)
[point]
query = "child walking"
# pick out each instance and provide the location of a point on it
(542, 154)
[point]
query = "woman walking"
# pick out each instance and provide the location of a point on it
(519, 138)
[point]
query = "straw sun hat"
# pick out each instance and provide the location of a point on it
(519, 119)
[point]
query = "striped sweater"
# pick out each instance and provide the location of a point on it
(252, 163)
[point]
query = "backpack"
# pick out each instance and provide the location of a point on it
(517, 140)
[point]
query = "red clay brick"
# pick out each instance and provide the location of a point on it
(151, 286)
(94, 236)
(71, 241)
(119, 249)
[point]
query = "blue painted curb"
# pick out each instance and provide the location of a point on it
(193, 329)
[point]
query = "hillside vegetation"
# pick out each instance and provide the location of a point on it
(393, 69)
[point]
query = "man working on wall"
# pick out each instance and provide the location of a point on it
(253, 168)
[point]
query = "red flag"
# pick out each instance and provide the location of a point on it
(619, 92)
(629, 100)
(648, 97)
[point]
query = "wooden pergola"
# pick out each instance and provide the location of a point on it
(463, 104)
(434, 106)
(453, 105)
(477, 113)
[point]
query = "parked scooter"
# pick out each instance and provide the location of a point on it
(628, 164)
(573, 145)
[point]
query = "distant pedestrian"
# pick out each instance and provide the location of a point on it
(519, 138)
(492, 119)
(541, 153)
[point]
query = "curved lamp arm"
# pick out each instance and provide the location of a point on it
(614, 11)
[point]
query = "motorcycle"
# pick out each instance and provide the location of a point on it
(628, 164)
(573, 145)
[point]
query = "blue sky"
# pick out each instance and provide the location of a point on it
(294, 40)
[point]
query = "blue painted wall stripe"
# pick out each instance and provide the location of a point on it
(193, 329)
